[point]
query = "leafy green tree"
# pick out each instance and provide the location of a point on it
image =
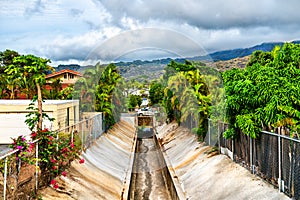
(187, 97)
(34, 69)
(55, 92)
(134, 101)
(168, 104)
(156, 92)
(85, 88)
(119, 99)
(12, 80)
(104, 92)
(6, 59)
(266, 94)
(67, 93)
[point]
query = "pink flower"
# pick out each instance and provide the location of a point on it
(64, 150)
(31, 146)
(54, 167)
(45, 130)
(50, 138)
(81, 161)
(72, 145)
(55, 186)
(19, 147)
(53, 182)
(33, 134)
(64, 173)
(52, 160)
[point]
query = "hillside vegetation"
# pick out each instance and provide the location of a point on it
(265, 95)
(142, 70)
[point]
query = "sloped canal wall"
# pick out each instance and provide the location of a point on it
(199, 172)
(107, 169)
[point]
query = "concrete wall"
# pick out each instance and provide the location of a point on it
(166, 174)
(13, 114)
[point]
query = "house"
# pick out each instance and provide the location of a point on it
(67, 77)
(13, 114)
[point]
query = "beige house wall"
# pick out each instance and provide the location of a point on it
(13, 112)
(68, 79)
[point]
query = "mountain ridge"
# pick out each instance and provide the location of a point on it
(223, 55)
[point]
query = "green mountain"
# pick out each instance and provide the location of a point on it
(159, 64)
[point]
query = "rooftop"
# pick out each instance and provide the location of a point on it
(62, 72)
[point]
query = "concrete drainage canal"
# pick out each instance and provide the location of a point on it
(150, 177)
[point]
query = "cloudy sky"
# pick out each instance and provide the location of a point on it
(82, 31)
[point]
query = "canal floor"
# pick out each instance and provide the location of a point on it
(148, 181)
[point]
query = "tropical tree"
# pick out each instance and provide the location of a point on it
(104, 92)
(186, 96)
(85, 88)
(134, 101)
(6, 58)
(12, 80)
(55, 91)
(266, 94)
(156, 92)
(34, 69)
(67, 93)
(118, 99)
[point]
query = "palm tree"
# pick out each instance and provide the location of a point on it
(85, 87)
(104, 91)
(177, 84)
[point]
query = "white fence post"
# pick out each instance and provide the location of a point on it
(36, 165)
(251, 156)
(72, 134)
(82, 136)
(232, 145)
(5, 178)
(279, 160)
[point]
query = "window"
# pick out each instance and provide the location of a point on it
(65, 76)
(71, 76)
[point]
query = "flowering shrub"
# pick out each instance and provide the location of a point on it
(56, 151)
(24, 148)
(56, 154)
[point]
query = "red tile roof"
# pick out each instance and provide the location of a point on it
(62, 72)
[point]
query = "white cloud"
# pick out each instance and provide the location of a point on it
(67, 29)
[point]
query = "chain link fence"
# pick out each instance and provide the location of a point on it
(20, 180)
(274, 156)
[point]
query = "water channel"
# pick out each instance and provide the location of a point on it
(149, 179)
